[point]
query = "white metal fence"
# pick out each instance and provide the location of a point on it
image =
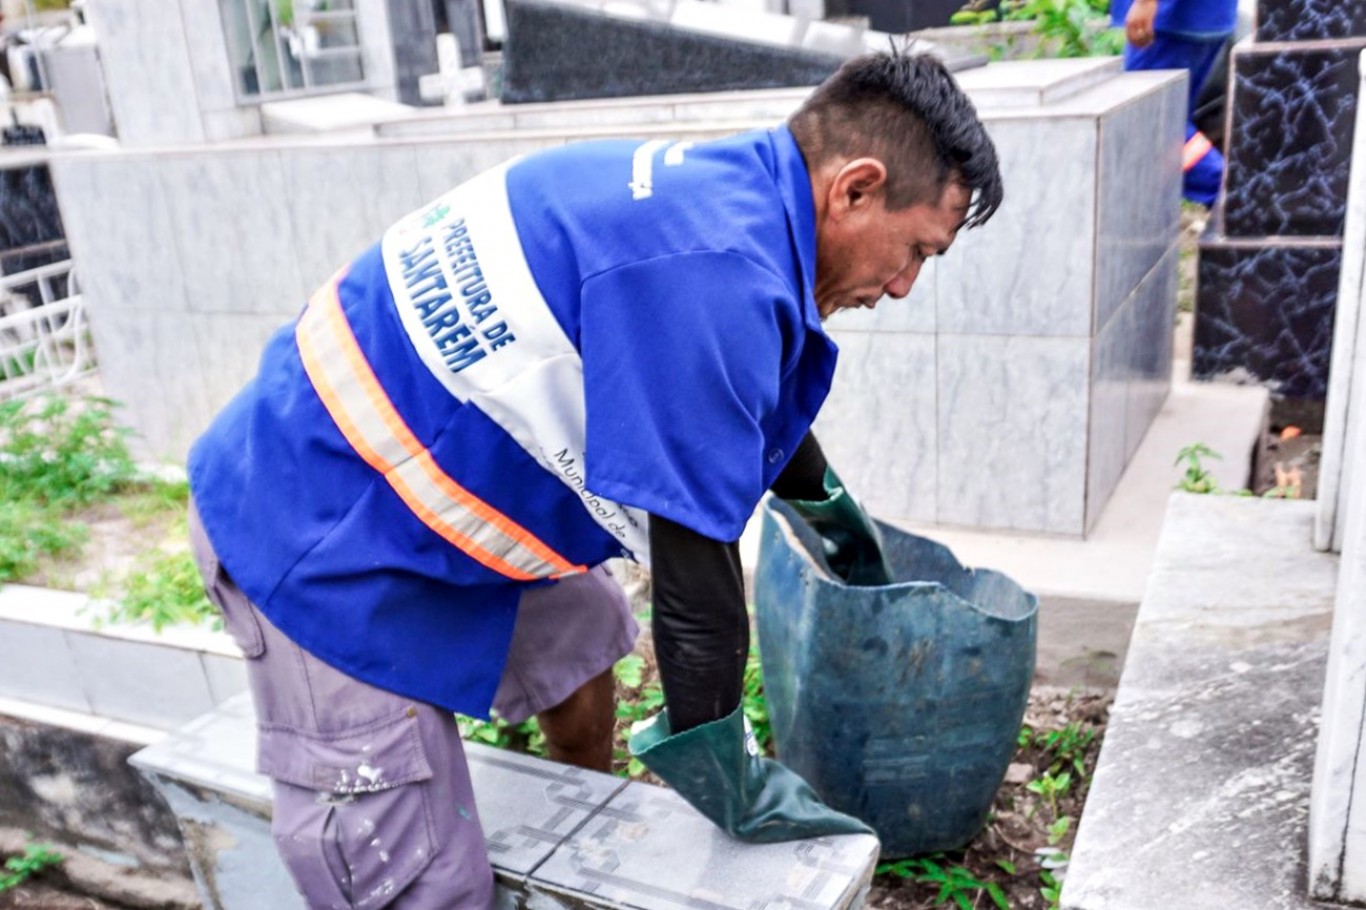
(44, 337)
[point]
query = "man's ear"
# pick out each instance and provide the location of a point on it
(856, 185)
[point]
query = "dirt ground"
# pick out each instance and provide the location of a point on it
(1014, 848)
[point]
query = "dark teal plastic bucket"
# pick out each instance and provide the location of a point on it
(901, 704)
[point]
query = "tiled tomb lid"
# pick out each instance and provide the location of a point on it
(593, 838)
(1035, 83)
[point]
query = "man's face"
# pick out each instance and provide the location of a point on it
(864, 252)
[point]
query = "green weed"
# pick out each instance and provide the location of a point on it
(754, 704)
(1196, 479)
(61, 453)
(19, 869)
(1068, 745)
(525, 737)
(30, 530)
(1066, 28)
(164, 589)
(1051, 787)
(1050, 888)
(957, 885)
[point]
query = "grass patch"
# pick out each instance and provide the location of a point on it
(63, 462)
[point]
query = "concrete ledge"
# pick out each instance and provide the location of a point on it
(51, 654)
(558, 837)
(1201, 793)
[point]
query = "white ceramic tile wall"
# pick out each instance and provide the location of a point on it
(36, 665)
(1150, 349)
(1029, 270)
(229, 347)
(1110, 380)
(878, 426)
(207, 44)
(234, 232)
(146, 64)
(377, 49)
(1012, 422)
(1140, 192)
(142, 683)
(1130, 378)
(231, 123)
(331, 228)
(151, 362)
(441, 166)
(120, 231)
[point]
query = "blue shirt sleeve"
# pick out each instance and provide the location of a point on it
(682, 359)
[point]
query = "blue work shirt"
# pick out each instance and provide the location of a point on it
(504, 388)
(1193, 19)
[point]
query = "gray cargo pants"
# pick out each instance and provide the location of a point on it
(373, 802)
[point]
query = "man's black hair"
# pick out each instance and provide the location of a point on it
(906, 110)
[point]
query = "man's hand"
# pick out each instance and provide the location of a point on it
(1138, 25)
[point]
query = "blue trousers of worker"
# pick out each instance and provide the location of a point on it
(1202, 162)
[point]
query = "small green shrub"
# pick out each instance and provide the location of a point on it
(30, 530)
(62, 453)
(1066, 28)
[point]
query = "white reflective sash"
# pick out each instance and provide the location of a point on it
(470, 306)
(359, 406)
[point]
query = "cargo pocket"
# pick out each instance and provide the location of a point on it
(353, 820)
(239, 619)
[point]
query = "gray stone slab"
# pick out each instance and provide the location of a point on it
(648, 849)
(528, 806)
(1202, 788)
(215, 752)
(161, 687)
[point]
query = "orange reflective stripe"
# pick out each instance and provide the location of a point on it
(1197, 147)
(353, 396)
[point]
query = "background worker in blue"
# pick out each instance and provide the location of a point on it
(1181, 34)
(605, 349)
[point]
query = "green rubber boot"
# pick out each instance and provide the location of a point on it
(717, 768)
(853, 546)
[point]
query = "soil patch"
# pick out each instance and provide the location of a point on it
(1025, 844)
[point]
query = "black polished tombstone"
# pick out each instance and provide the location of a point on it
(1269, 261)
(905, 15)
(558, 52)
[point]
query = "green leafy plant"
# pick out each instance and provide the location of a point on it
(1196, 478)
(1066, 28)
(753, 703)
(525, 737)
(640, 701)
(1058, 830)
(1068, 746)
(1051, 787)
(164, 589)
(62, 453)
(1051, 888)
(34, 859)
(957, 885)
(30, 530)
(56, 455)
